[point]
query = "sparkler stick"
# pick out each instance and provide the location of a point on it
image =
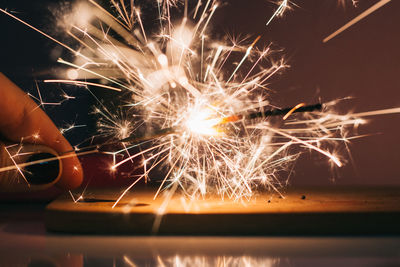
(234, 118)
(282, 112)
(364, 14)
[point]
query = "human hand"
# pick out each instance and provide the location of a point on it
(22, 119)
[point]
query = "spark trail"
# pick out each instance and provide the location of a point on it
(360, 17)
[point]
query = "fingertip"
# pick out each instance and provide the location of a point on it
(72, 173)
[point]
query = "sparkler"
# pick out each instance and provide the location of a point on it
(207, 125)
(184, 106)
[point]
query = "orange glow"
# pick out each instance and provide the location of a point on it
(293, 110)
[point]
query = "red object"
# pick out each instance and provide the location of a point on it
(97, 174)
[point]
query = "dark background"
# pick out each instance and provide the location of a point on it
(362, 62)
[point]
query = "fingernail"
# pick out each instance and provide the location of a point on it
(44, 172)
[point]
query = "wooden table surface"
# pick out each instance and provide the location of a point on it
(302, 211)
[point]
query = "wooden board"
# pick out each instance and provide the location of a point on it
(303, 211)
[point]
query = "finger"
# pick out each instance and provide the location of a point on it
(22, 119)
